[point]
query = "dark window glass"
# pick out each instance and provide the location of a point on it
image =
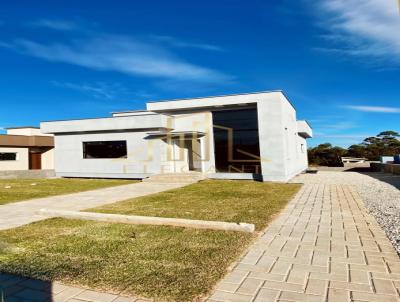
(236, 141)
(8, 156)
(106, 149)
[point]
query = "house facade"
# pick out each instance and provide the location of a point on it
(242, 136)
(26, 148)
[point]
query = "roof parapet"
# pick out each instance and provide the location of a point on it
(304, 129)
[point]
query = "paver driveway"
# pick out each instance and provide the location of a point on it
(323, 247)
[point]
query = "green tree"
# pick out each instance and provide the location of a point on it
(385, 143)
(326, 155)
(356, 151)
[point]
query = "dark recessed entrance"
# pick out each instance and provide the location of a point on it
(236, 141)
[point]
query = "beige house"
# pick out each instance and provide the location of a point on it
(26, 148)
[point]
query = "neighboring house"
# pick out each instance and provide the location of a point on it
(240, 136)
(26, 148)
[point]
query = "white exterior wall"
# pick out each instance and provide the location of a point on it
(303, 156)
(145, 156)
(48, 160)
(280, 144)
(271, 135)
(22, 162)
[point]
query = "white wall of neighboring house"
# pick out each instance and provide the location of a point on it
(22, 162)
(26, 131)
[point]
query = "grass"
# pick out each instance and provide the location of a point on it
(221, 200)
(166, 263)
(13, 190)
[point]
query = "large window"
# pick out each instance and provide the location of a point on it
(236, 141)
(8, 156)
(105, 149)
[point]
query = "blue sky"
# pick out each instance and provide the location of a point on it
(337, 60)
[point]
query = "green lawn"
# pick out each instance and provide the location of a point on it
(12, 190)
(221, 200)
(166, 263)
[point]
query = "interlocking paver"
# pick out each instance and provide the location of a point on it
(124, 299)
(316, 287)
(324, 246)
(372, 297)
(225, 296)
(267, 295)
(385, 287)
(23, 289)
(250, 286)
(228, 287)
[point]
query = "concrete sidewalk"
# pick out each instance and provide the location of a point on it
(19, 213)
(323, 247)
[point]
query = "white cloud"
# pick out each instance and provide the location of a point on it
(100, 90)
(378, 109)
(183, 44)
(121, 54)
(343, 136)
(343, 125)
(62, 25)
(107, 91)
(362, 27)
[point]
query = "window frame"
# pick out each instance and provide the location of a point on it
(84, 153)
(16, 156)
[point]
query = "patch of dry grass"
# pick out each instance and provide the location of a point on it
(168, 263)
(13, 190)
(221, 200)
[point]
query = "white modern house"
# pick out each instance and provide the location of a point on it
(243, 136)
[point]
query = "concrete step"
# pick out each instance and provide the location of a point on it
(190, 177)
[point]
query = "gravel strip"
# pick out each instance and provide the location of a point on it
(379, 191)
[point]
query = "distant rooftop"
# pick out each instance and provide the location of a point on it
(22, 127)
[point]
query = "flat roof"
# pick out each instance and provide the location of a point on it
(129, 111)
(22, 127)
(227, 95)
(218, 96)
